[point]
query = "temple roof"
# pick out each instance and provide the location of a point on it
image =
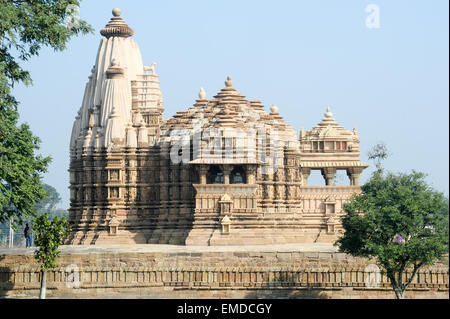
(329, 145)
(122, 107)
(229, 109)
(329, 129)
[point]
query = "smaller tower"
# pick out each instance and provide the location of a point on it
(329, 147)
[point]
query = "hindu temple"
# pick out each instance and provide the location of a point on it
(222, 172)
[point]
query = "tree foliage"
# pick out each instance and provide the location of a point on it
(378, 153)
(398, 220)
(51, 199)
(46, 205)
(28, 25)
(25, 27)
(48, 236)
(20, 170)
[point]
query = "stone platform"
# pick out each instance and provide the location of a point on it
(143, 248)
(170, 271)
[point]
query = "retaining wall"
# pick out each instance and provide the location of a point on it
(210, 275)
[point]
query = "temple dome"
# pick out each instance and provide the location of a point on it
(228, 108)
(228, 114)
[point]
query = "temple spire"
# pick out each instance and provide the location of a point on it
(117, 26)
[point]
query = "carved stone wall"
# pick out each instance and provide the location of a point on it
(155, 201)
(197, 275)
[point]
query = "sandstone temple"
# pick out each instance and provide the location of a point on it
(223, 172)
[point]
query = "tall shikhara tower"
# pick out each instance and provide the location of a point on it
(114, 132)
(126, 186)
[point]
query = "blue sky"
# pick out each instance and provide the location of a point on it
(391, 82)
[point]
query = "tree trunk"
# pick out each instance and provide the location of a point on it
(399, 293)
(43, 285)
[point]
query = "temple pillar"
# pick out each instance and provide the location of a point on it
(353, 175)
(305, 174)
(328, 174)
(251, 175)
(355, 179)
(202, 171)
(226, 173)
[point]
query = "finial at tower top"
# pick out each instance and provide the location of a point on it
(202, 94)
(328, 119)
(116, 12)
(116, 26)
(274, 109)
(228, 82)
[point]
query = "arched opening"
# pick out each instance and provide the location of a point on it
(341, 178)
(238, 176)
(316, 178)
(214, 176)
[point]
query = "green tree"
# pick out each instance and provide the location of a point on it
(378, 153)
(46, 205)
(400, 222)
(51, 199)
(49, 235)
(20, 170)
(25, 27)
